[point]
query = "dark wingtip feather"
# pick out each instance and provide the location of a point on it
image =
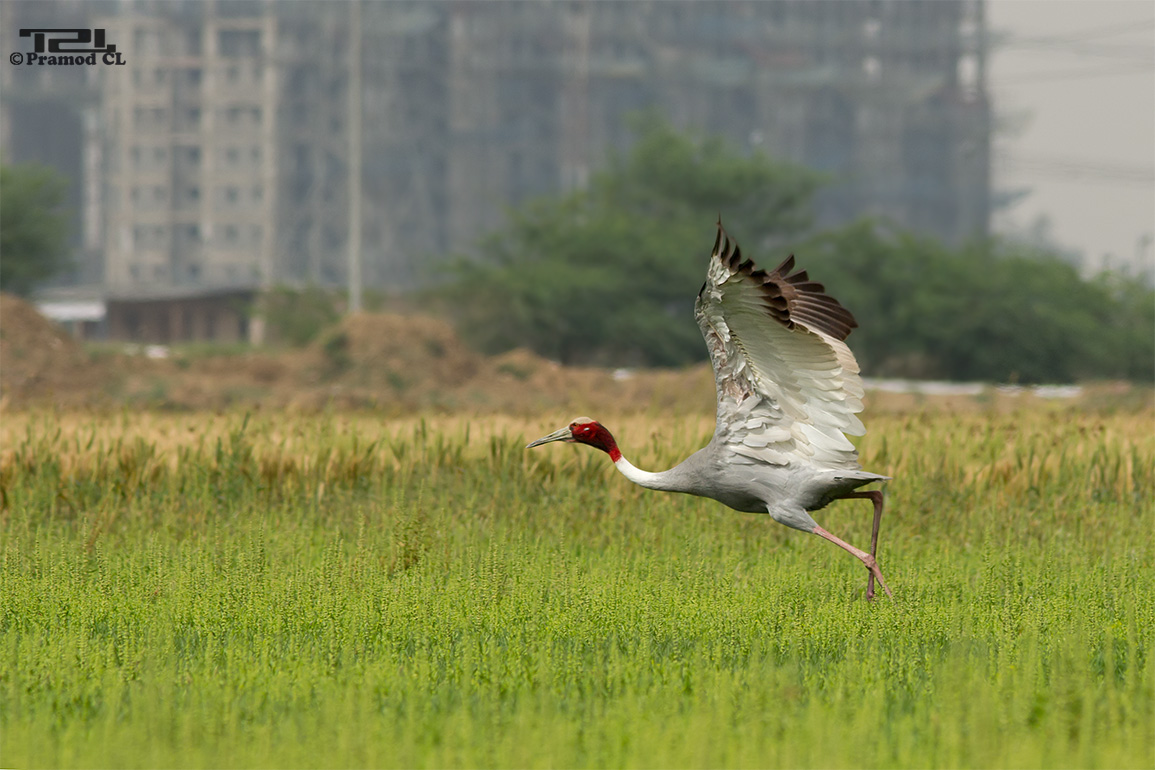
(718, 240)
(790, 297)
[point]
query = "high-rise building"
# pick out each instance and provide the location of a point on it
(189, 169)
(218, 156)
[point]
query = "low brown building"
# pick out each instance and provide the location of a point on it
(182, 315)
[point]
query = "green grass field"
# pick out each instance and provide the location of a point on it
(335, 591)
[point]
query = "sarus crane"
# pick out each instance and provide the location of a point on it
(788, 390)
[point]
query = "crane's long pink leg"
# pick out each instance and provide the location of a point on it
(863, 556)
(875, 497)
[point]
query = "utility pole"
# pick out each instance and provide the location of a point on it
(575, 98)
(355, 156)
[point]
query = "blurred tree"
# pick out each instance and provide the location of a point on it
(297, 315)
(989, 310)
(33, 227)
(608, 275)
(1128, 348)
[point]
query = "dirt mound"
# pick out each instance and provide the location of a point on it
(404, 356)
(378, 360)
(37, 357)
(522, 381)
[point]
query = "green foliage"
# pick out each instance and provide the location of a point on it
(988, 310)
(33, 227)
(1127, 346)
(335, 346)
(608, 275)
(297, 316)
(294, 591)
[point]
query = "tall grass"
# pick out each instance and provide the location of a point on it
(195, 590)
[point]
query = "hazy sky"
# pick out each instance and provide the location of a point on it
(1073, 81)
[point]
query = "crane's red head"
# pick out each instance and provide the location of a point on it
(583, 430)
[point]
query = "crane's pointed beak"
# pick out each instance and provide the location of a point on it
(565, 434)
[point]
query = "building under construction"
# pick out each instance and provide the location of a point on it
(219, 156)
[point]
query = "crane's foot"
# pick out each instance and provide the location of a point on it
(875, 497)
(867, 559)
(875, 573)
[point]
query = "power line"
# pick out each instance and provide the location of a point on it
(1080, 168)
(1138, 53)
(1090, 44)
(1108, 31)
(1071, 74)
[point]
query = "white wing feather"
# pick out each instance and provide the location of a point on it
(786, 395)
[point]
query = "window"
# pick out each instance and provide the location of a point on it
(193, 42)
(148, 237)
(144, 42)
(145, 117)
(240, 42)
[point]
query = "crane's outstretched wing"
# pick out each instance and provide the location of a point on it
(788, 387)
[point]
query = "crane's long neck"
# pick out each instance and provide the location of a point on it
(595, 434)
(664, 480)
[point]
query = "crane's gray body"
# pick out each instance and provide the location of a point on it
(787, 492)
